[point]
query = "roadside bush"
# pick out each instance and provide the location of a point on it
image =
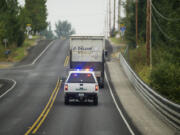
(144, 73)
(137, 57)
(165, 78)
(137, 60)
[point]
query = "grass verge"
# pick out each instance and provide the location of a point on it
(17, 53)
(137, 60)
(119, 42)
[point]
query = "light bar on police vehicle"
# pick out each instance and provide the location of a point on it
(87, 69)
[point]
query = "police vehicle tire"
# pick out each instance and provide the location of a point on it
(95, 100)
(66, 100)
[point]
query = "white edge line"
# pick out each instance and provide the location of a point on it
(119, 110)
(9, 88)
(37, 58)
(42, 53)
(27, 65)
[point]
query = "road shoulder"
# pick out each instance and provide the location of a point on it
(33, 53)
(147, 122)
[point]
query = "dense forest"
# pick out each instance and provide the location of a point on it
(14, 19)
(164, 76)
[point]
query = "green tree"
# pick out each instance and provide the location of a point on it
(3, 9)
(9, 22)
(63, 29)
(48, 33)
(130, 21)
(24, 20)
(36, 12)
(164, 77)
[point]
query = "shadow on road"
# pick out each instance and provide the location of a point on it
(77, 103)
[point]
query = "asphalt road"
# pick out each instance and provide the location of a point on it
(20, 108)
(6, 85)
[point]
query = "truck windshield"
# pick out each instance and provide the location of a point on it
(81, 78)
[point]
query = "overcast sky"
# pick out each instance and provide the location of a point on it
(86, 16)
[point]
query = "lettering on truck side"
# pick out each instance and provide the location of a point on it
(81, 48)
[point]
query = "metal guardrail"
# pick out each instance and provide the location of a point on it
(169, 110)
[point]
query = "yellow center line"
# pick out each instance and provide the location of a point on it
(45, 109)
(40, 123)
(65, 61)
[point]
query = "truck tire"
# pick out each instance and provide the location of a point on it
(101, 85)
(95, 100)
(66, 100)
(101, 82)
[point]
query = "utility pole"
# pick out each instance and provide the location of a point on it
(119, 14)
(110, 17)
(148, 33)
(136, 23)
(106, 22)
(114, 15)
(107, 29)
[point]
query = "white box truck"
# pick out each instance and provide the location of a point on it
(87, 52)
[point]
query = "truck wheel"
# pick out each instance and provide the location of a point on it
(95, 100)
(66, 100)
(101, 85)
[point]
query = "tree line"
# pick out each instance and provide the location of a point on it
(165, 72)
(14, 19)
(63, 29)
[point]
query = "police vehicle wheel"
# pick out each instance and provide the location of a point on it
(66, 101)
(95, 100)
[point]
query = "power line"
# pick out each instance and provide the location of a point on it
(164, 17)
(161, 30)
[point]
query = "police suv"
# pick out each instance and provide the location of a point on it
(81, 86)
